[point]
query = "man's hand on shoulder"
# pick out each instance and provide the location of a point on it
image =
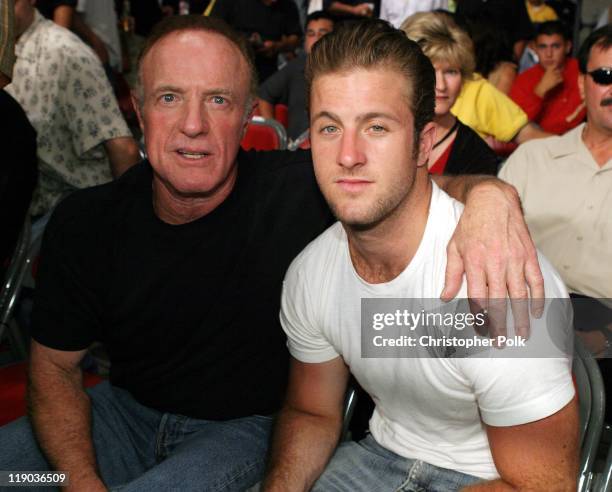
(492, 246)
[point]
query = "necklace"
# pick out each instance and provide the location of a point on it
(448, 134)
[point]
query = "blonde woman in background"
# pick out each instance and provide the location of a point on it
(458, 149)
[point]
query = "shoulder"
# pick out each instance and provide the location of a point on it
(273, 164)
(309, 263)
(571, 69)
(444, 209)
(66, 46)
(14, 117)
(536, 149)
(90, 208)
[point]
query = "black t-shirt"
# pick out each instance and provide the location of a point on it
(18, 172)
(189, 313)
(470, 154)
(270, 22)
(47, 7)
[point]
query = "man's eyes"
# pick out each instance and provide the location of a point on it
(329, 129)
(218, 100)
(378, 128)
(168, 98)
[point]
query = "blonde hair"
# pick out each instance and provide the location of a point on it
(441, 40)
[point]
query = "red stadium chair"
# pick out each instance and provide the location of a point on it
(281, 114)
(264, 134)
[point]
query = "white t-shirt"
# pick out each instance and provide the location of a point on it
(427, 409)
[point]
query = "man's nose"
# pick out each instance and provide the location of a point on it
(351, 151)
(195, 119)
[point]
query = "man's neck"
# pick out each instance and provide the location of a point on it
(599, 143)
(176, 209)
(383, 252)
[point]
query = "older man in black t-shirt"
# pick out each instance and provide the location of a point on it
(177, 267)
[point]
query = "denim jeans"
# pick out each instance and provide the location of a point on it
(367, 466)
(141, 449)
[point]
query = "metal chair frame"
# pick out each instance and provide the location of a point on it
(276, 126)
(21, 263)
(592, 401)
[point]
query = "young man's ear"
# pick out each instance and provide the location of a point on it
(568, 47)
(426, 143)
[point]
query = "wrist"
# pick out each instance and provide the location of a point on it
(493, 189)
(540, 91)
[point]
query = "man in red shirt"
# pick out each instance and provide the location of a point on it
(548, 92)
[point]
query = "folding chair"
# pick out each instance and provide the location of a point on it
(592, 401)
(10, 289)
(281, 114)
(604, 480)
(350, 402)
(264, 134)
(301, 142)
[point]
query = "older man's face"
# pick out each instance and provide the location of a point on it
(598, 97)
(194, 112)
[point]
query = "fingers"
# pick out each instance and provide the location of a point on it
(496, 279)
(477, 296)
(535, 280)
(517, 291)
(453, 276)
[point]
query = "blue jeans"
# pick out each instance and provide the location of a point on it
(141, 449)
(367, 466)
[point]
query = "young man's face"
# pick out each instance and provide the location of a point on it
(194, 111)
(598, 97)
(362, 131)
(315, 30)
(552, 50)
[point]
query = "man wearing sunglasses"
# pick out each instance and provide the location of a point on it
(565, 184)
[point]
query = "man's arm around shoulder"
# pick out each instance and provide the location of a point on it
(308, 427)
(60, 413)
(540, 455)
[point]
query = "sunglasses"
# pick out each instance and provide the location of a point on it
(602, 76)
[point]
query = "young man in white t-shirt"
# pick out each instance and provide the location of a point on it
(440, 423)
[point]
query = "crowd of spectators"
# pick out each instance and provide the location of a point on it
(104, 153)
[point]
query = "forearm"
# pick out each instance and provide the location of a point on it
(341, 8)
(60, 413)
(303, 444)
(63, 15)
(122, 154)
(91, 38)
(459, 187)
(529, 132)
